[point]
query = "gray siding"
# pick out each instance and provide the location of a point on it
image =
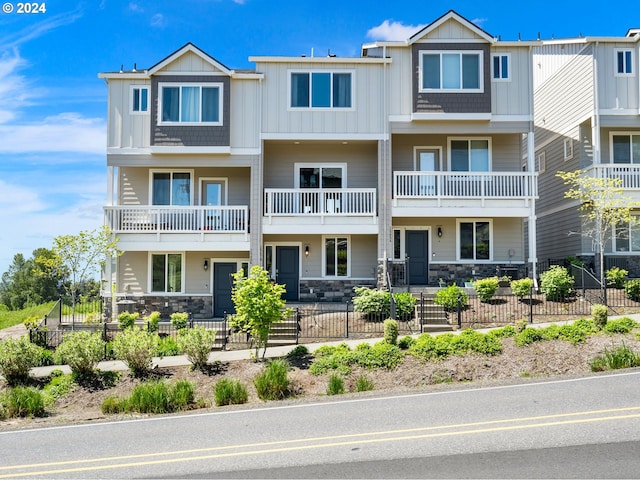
(554, 240)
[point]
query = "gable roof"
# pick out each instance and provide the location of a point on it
(450, 15)
(190, 48)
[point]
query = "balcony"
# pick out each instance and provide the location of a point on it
(180, 226)
(627, 174)
(505, 194)
(310, 210)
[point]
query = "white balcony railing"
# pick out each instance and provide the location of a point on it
(629, 175)
(172, 219)
(475, 185)
(320, 202)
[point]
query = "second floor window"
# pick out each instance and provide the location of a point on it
(139, 99)
(191, 104)
(171, 188)
(624, 62)
(501, 67)
(469, 155)
(451, 71)
(321, 90)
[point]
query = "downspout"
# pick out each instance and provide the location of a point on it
(595, 129)
(531, 151)
(384, 227)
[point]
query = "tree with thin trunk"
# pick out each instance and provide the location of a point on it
(605, 209)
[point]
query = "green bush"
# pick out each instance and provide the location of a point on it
(529, 336)
(113, 405)
(81, 351)
(521, 288)
(168, 347)
(620, 325)
(504, 332)
(632, 289)
(405, 342)
(181, 395)
(159, 397)
(45, 358)
(556, 283)
(179, 320)
(377, 303)
(621, 356)
(136, 348)
(153, 319)
(299, 351)
(127, 319)
(616, 277)
(17, 357)
(599, 313)
(429, 347)
(196, 343)
(21, 401)
(390, 331)
(58, 386)
(340, 358)
(230, 392)
(273, 382)
(364, 384)
(486, 288)
(405, 305)
(336, 385)
(448, 298)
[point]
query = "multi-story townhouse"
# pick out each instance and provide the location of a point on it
(587, 116)
(324, 170)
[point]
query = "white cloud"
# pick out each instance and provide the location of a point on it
(134, 7)
(14, 89)
(393, 31)
(19, 200)
(158, 21)
(37, 29)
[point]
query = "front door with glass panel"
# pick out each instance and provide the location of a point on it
(427, 160)
(214, 195)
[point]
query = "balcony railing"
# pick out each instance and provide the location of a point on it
(629, 175)
(320, 202)
(475, 185)
(173, 219)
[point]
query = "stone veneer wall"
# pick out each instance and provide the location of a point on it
(463, 273)
(197, 306)
(338, 291)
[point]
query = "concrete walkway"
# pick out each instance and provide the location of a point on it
(272, 352)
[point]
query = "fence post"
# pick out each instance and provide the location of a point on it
(225, 331)
(459, 306)
(347, 322)
(531, 304)
(298, 328)
(421, 310)
(104, 339)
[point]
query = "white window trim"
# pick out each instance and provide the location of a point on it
(416, 152)
(480, 54)
(223, 180)
(469, 139)
(310, 107)
(324, 257)
(191, 173)
(403, 246)
(541, 162)
(501, 79)
(150, 273)
(139, 87)
(615, 63)
(273, 245)
(179, 85)
(491, 245)
(298, 166)
(614, 237)
(627, 133)
(568, 148)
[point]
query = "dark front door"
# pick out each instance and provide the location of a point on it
(417, 249)
(222, 285)
(288, 270)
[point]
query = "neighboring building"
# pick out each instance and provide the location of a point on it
(327, 171)
(587, 115)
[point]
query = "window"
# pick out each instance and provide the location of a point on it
(627, 237)
(500, 67)
(624, 62)
(321, 175)
(139, 99)
(336, 253)
(625, 148)
(191, 104)
(451, 71)
(474, 240)
(321, 89)
(541, 162)
(171, 188)
(166, 272)
(469, 155)
(568, 148)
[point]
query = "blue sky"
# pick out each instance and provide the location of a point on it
(53, 107)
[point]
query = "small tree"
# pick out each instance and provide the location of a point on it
(259, 304)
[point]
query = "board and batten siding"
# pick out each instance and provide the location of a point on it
(616, 92)
(245, 120)
(513, 97)
(126, 130)
(366, 116)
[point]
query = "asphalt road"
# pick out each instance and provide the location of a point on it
(579, 428)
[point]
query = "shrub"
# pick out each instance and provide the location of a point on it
(273, 382)
(529, 336)
(504, 332)
(390, 331)
(556, 283)
(336, 385)
(127, 319)
(196, 343)
(159, 397)
(599, 314)
(621, 356)
(17, 357)
(81, 351)
(632, 289)
(299, 351)
(364, 384)
(405, 305)
(616, 277)
(179, 320)
(168, 347)
(230, 392)
(58, 386)
(486, 288)
(521, 288)
(372, 302)
(429, 347)
(181, 395)
(21, 401)
(405, 342)
(620, 325)
(153, 319)
(112, 405)
(448, 297)
(136, 348)
(45, 358)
